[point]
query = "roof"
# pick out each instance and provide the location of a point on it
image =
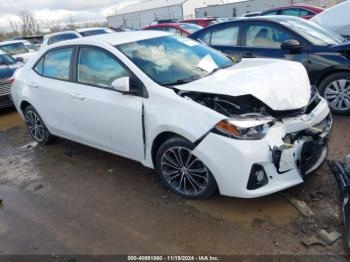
(148, 5)
(309, 7)
(114, 38)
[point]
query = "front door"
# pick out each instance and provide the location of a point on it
(107, 119)
(265, 39)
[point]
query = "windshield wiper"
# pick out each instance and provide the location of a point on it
(183, 81)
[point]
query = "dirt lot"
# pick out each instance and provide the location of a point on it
(70, 199)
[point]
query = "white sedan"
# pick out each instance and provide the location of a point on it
(203, 122)
(22, 50)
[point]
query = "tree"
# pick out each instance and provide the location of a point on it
(29, 24)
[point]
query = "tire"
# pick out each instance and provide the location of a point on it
(183, 173)
(336, 90)
(36, 126)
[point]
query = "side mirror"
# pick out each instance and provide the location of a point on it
(291, 45)
(20, 59)
(121, 84)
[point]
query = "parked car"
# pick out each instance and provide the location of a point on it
(303, 11)
(203, 22)
(35, 39)
(249, 129)
(164, 21)
(183, 29)
(20, 49)
(8, 65)
(73, 34)
(324, 54)
(336, 18)
(252, 14)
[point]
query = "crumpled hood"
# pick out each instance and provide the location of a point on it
(281, 85)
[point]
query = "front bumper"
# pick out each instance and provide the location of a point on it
(231, 160)
(5, 95)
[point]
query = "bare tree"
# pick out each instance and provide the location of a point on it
(29, 24)
(13, 25)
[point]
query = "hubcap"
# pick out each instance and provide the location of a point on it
(337, 94)
(35, 126)
(183, 171)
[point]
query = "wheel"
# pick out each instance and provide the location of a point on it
(336, 90)
(36, 126)
(182, 172)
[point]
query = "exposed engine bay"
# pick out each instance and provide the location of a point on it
(246, 104)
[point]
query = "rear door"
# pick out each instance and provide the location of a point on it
(52, 83)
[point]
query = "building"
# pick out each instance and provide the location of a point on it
(143, 13)
(241, 7)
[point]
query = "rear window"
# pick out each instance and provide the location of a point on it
(60, 38)
(191, 27)
(95, 32)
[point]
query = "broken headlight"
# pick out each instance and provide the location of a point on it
(248, 127)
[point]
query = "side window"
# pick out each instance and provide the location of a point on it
(273, 12)
(172, 30)
(304, 12)
(205, 37)
(56, 64)
(98, 68)
(265, 36)
(39, 66)
(225, 37)
(291, 12)
(60, 38)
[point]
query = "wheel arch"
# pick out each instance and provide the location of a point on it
(329, 73)
(24, 104)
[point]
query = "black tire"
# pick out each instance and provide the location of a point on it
(194, 175)
(327, 85)
(33, 121)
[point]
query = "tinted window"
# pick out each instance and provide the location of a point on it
(99, 68)
(304, 12)
(96, 32)
(39, 66)
(172, 30)
(15, 48)
(60, 38)
(57, 63)
(191, 28)
(273, 12)
(291, 12)
(205, 37)
(5, 59)
(265, 36)
(225, 37)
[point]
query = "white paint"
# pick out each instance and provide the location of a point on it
(112, 121)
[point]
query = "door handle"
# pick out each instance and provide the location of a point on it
(77, 96)
(33, 85)
(248, 55)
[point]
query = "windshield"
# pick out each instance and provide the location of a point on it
(312, 32)
(172, 60)
(15, 49)
(96, 32)
(191, 28)
(31, 46)
(5, 59)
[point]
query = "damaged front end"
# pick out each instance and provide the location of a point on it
(341, 172)
(271, 150)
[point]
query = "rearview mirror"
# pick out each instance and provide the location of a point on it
(121, 84)
(291, 45)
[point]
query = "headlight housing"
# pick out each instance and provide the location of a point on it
(245, 127)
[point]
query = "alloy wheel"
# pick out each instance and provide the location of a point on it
(337, 93)
(184, 172)
(35, 126)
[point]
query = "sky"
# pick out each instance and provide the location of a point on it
(59, 11)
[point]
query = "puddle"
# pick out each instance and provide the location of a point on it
(10, 119)
(273, 209)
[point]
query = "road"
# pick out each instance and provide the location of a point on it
(66, 198)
